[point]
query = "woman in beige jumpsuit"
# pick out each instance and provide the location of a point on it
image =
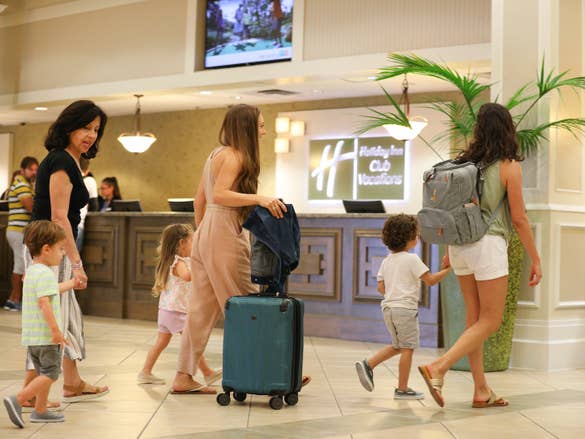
(221, 248)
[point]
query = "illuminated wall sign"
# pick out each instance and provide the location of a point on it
(356, 168)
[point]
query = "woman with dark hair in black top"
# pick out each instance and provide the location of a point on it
(60, 195)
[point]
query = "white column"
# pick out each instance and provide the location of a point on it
(550, 325)
(5, 160)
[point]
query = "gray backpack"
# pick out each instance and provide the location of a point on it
(451, 212)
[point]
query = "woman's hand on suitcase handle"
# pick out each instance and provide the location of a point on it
(276, 207)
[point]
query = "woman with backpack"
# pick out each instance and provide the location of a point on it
(482, 266)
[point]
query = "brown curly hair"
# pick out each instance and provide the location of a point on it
(398, 230)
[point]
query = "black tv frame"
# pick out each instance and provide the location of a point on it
(126, 206)
(364, 206)
(181, 204)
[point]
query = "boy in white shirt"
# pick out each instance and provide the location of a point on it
(399, 282)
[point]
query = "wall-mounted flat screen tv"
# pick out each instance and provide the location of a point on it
(242, 32)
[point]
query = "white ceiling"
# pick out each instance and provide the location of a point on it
(307, 89)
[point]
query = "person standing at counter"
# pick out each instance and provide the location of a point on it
(60, 196)
(109, 190)
(20, 205)
(220, 258)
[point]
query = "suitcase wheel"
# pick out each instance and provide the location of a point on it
(240, 396)
(223, 398)
(276, 402)
(291, 398)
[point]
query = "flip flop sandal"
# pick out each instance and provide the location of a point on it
(213, 378)
(435, 385)
(493, 401)
(83, 395)
(197, 390)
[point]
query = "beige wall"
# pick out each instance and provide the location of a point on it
(114, 44)
(173, 165)
(348, 27)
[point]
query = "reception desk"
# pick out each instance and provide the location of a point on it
(336, 277)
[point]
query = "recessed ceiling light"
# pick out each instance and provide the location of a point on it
(371, 78)
(41, 108)
(206, 92)
(237, 97)
(317, 91)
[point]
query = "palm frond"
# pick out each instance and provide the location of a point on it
(378, 119)
(519, 97)
(547, 82)
(468, 85)
(530, 138)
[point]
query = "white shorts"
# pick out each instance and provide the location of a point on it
(486, 259)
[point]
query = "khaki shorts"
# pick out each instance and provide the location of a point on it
(46, 360)
(486, 259)
(402, 323)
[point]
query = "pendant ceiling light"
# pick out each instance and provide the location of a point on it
(137, 142)
(417, 123)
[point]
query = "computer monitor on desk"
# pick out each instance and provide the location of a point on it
(370, 206)
(126, 206)
(181, 204)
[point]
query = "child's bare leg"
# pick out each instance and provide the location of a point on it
(162, 341)
(404, 368)
(42, 397)
(382, 355)
(38, 387)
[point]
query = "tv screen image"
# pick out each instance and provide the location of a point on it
(240, 32)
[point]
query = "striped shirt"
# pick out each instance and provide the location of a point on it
(39, 281)
(18, 217)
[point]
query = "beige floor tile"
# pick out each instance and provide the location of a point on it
(432, 431)
(334, 405)
(502, 425)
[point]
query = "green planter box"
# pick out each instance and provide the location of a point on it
(497, 348)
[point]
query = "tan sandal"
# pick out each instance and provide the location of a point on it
(435, 385)
(80, 394)
(493, 401)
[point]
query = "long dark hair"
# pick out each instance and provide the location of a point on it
(113, 181)
(240, 131)
(494, 137)
(75, 116)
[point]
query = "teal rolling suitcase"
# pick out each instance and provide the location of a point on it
(262, 349)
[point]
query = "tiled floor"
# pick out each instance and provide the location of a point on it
(543, 405)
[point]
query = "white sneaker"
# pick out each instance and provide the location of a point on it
(148, 378)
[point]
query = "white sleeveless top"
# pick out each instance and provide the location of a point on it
(175, 297)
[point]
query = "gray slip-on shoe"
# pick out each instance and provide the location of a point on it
(14, 411)
(365, 374)
(47, 417)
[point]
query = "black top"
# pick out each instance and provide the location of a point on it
(59, 160)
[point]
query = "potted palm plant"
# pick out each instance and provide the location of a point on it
(461, 116)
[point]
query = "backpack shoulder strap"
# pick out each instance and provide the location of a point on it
(496, 210)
